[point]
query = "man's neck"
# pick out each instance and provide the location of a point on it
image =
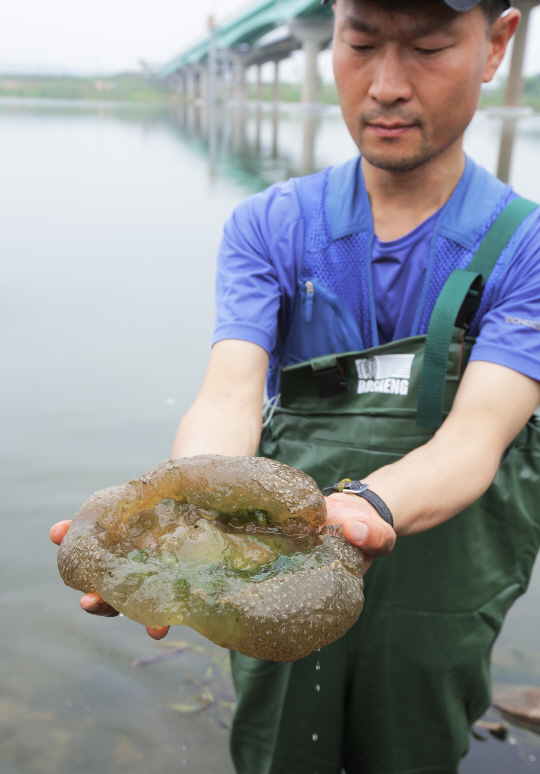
(401, 201)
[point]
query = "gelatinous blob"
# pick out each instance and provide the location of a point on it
(227, 545)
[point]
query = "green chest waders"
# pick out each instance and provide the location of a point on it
(396, 694)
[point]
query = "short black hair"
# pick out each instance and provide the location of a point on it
(493, 9)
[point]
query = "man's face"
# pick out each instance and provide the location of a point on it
(408, 83)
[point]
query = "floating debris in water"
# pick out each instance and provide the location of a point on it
(206, 701)
(497, 729)
(176, 648)
(521, 707)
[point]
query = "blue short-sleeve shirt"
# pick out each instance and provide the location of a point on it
(261, 256)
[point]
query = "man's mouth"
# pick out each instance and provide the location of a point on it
(394, 129)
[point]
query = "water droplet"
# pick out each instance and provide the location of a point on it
(183, 761)
(183, 747)
(317, 688)
(317, 666)
(315, 737)
(512, 740)
(532, 757)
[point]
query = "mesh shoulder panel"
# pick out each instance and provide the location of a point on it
(449, 256)
(313, 194)
(340, 265)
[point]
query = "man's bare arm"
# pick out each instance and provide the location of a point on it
(441, 478)
(226, 417)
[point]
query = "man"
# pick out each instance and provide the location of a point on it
(379, 255)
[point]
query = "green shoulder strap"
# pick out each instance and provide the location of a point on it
(460, 283)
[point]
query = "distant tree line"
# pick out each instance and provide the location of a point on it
(122, 86)
(138, 87)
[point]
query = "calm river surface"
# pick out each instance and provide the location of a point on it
(110, 221)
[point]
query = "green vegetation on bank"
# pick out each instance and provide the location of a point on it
(531, 94)
(291, 92)
(136, 87)
(133, 87)
(126, 86)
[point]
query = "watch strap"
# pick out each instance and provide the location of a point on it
(363, 490)
(379, 505)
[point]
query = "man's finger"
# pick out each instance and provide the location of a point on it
(372, 536)
(93, 603)
(58, 531)
(158, 634)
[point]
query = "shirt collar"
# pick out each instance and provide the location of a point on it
(462, 219)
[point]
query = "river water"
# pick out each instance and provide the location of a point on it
(111, 218)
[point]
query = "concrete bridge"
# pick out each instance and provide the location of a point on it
(265, 31)
(270, 30)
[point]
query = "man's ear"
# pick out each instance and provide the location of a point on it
(500, 35)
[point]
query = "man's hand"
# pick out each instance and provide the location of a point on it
(362, 525)
(93, 602)
(431, 484)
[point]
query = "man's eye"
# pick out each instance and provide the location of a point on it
(430, 51)
(362, 48)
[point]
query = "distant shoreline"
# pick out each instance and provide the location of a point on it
(138, 88)
(123, 87)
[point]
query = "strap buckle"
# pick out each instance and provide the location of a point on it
(470, 305)
(329, 375)
(346, 485)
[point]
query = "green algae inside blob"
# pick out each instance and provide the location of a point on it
(244, 545)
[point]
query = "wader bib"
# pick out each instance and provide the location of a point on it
(399, 691)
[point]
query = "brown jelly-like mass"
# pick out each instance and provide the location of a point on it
(227, 545)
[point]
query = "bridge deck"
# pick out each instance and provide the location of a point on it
(247, 27)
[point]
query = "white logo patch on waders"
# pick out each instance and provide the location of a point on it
(384, 373)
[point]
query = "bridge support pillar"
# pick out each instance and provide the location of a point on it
(275, 91)
(224, 84)
(190, 81)
(182, 83)
(203, 82)
(239, 64)
(314, 34)
(514, 86)
(514, 89)
(258, 94)
(176, 83)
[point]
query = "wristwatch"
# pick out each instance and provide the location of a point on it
(362, 490)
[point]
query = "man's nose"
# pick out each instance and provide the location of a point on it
(390, 83)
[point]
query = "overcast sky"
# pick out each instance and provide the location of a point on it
(113, 35)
